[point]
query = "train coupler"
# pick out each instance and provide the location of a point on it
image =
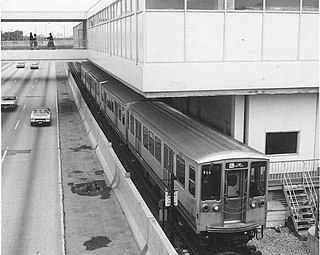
(259, 235)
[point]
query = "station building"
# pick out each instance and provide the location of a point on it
(248, 68)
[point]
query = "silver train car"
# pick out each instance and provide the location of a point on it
(221, 183)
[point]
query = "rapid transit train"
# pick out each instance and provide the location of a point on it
(222, 183)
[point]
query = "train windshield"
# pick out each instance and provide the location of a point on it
(258, 178)
(211, 182)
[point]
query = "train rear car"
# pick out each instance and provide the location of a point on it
(221, 183)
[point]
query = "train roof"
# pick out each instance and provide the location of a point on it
(192, 138)
(88, 66)
(122, 92)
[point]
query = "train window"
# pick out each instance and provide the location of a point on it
(257, 179)
(181, 170)
(119, 112)
(281, 143)
(123, 116)
(211, 182)
(145, 138)
(168, 158)
(192, 180)
(158, 149)
(138, 130)
(233, 185)
(131, 124)
(151, 143)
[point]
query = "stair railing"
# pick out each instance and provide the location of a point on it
(312, 193)
(288, 186)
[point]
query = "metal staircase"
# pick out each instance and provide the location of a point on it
(301, 200)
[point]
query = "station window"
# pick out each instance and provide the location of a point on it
(165, 4)
(205, 4)
(131, 124)
(244, 5)
(211, 182)
(192, 180)
(158, 149)
(181, 170)
(281, 143)
(119, 111)
(310, 5)
(282, 5)
(145, 138)
(151, 143)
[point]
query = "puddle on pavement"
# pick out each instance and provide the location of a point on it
(92, 189)
(82, 147)
(97, 242)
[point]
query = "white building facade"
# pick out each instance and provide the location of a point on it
(253, 62)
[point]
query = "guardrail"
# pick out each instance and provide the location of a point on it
(43, 44)
(294, 168)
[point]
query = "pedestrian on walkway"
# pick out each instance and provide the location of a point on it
(35, 43)
(31, 40)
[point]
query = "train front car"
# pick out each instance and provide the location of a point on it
(233, 199)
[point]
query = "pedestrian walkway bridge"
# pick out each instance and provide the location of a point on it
(64, 50)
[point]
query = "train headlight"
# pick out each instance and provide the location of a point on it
(253, 204)
(216, 208)
(261, 202)
(205, 208)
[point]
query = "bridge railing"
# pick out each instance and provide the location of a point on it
(294, 168)
(42, 44)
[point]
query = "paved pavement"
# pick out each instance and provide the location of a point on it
(94, 221)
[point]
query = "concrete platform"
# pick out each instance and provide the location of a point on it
(94, 221)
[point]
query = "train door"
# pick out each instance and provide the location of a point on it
(116, 112)
(235, 195)
(138, 136)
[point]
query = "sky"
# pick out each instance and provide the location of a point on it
(43, 28)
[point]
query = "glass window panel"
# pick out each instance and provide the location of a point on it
(165, 4)
(158, 149)
(192, 182)
(211, 182)
(281, 143)
(151, 143)
(233, 184)
(310, 5)
(244, 4)
(132, 124)
(146, 138)
(282, 5)
(180, 168)
(257, 179)
(205, 4)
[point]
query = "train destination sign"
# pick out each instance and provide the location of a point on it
(235, 165)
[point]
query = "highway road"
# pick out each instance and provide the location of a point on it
(32, 220)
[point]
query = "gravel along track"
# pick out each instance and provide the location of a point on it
(283, 243)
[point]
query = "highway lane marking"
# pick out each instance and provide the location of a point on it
(24, 107)
(17, 124)
(4, 154)
(9, 87)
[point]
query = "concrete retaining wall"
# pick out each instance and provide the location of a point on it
(145, 228)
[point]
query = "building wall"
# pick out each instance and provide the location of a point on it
(284, 113)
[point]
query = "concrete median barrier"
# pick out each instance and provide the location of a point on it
(147, 232)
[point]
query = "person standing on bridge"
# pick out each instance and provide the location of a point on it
(50, 43)
(31, 40)
(35, 43)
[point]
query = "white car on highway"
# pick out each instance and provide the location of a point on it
(41, 116)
